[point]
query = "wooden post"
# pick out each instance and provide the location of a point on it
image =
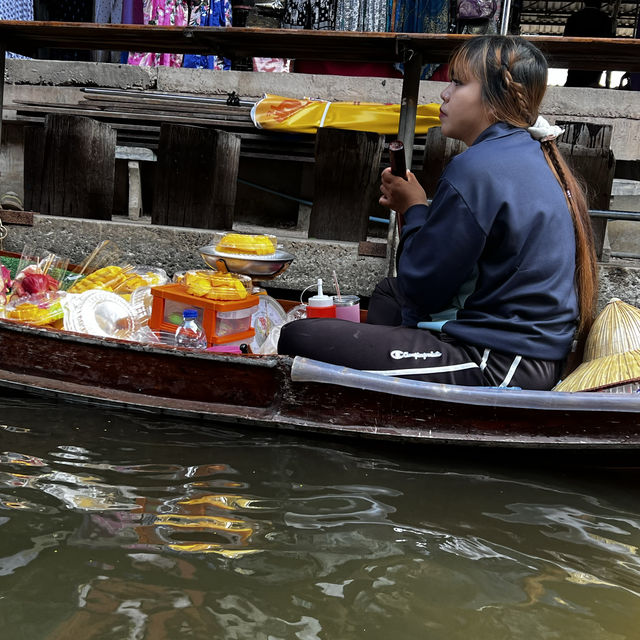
(33, 162)
(196, 177)
(346, 183)
(3, 53)
(586, 147)
(73, 161)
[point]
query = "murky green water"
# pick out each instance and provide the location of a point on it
(119, 527)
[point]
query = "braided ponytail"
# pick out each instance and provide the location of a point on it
(586, 277)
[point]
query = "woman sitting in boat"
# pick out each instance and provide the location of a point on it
(496, 275)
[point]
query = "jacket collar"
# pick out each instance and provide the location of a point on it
(497, 130)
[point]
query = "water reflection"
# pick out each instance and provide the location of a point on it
(115, 526)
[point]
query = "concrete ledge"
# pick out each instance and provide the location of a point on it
(84, 74)
(176, 249)
(604, 106)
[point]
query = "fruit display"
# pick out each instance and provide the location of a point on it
(245, 244)
(216, 285)
(141, 277)
(107, 278)
(40, 309)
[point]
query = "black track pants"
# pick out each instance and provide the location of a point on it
(408, 352)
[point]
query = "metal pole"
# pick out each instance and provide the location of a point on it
(506, 16)
(614, 25)
(3, 53)
(409, 104)
(406, 133)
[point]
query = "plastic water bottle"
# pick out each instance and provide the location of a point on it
(190, 334)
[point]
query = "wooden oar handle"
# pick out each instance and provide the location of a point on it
(397, 159)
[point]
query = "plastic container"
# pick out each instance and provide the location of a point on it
(190, 334)
(170, 301)
(347, 308)
(320, 305)
(231, 322)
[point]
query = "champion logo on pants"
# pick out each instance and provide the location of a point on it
(397, 354)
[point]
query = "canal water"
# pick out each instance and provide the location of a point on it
(117, 526)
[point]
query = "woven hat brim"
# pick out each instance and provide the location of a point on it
(608, 371)
(615, 330)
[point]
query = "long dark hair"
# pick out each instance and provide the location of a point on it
(513, 76)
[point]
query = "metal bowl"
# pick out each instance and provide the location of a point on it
(260, 267)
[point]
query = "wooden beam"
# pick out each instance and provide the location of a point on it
(26, 37)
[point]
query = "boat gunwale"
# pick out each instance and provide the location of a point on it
(307, 370)
(304, 370)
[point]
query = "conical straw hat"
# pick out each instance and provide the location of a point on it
(615, 330)
(607, 371)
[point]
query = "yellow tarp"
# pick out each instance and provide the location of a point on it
(306, 116)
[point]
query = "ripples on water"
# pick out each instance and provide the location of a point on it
(122, 527)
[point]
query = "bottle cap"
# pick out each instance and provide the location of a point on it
(189, 314)
(320, 300)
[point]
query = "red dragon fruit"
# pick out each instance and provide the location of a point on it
(5, 283)
(31, 280)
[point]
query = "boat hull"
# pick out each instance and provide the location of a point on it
(305, 396)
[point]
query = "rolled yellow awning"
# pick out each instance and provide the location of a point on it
(304, 115)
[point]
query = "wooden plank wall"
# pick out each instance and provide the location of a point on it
(70, 167)
(196, 177)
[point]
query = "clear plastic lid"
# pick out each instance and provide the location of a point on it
(141, 276)
(101, 313)
(245, 244)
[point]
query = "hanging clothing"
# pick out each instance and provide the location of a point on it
(483, 26)
(310, 14)
(16, 10)
(132, 12)
(107, 12)
(164, 13)
(70, 10)
(361, 15)
(419, 16)
(209, 13)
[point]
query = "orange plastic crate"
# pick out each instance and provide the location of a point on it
(222, 321)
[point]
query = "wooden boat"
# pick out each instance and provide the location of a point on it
(306, 396)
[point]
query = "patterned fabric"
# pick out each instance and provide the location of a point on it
(420, 16)
(108, 11)
(165, 13)
(16, 10)
(132, 12)
(310, 14)
(209, 13)
(482, 27)
(70, 10)
(361, 15)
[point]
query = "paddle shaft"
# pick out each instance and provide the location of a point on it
(398, 162)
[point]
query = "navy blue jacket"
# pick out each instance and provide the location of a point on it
(491, 261)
